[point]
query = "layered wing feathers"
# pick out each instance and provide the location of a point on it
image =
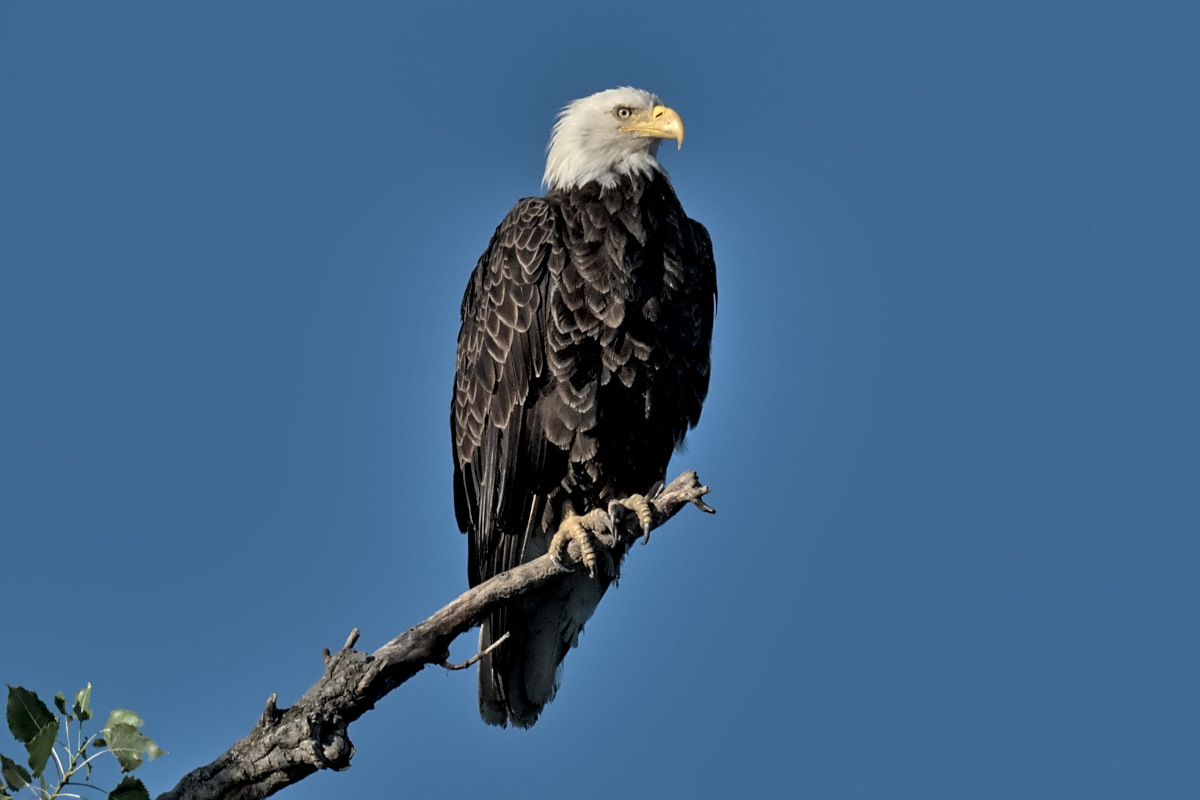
(500, 365)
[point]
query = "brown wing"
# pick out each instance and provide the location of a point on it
(500, 448)
(701, 319)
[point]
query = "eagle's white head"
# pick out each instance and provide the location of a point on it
(607, 135)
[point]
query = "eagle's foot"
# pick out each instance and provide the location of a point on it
(639, 505)
(581, 530)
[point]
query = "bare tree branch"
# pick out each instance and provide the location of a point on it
(473, 660)
(286, 745)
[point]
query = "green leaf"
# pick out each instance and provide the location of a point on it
(39, 749)
(123, 716)
(14, 774)
(60, 703)
(123, 738)
(83, 703)
(27, 715)
(128, 744)
(130, 788)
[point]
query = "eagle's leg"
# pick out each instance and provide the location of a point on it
(583, 531)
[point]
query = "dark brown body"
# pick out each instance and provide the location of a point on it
(583, 360)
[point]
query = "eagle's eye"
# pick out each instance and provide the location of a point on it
(623, 112)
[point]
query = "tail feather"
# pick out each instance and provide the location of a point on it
(518, 688)
(517, 680)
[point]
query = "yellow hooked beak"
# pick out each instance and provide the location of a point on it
(662, 122)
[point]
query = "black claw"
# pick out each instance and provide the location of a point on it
(610, 521)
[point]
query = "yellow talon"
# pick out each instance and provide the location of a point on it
(639, 505)
(573, 527)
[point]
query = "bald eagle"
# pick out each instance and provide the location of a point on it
(583, 360)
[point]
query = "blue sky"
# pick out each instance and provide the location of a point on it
(953, 432)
